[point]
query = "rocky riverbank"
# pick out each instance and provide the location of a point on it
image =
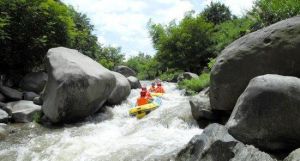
(73, 88)
(254, 93)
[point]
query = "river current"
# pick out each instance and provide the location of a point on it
(109, 136)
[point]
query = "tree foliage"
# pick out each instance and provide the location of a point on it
(184, 46)
(146, 66)
(268, 12)
(28, 28)
(217, 13)
(110, 57)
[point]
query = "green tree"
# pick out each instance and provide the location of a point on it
(184, 46)
(268, 12)
(110, 57)
(217, 13)
(28, 29)
(84, 41)
(146, 66)
(226, 32)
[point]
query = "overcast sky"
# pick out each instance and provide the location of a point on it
(123, 22)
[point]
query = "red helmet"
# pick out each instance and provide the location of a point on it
(144, 89)
(158, 84)
(143, 93)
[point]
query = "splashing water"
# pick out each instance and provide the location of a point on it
(109, 136)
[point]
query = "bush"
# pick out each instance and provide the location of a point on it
(272, 11)
(170, 75)
(195, 85)
(37, 117)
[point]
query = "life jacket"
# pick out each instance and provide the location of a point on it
(142, 101)
(152, 89)
(159, 89)
(148, 95)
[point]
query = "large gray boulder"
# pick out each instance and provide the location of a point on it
(3, 116)
(3, 106)
(215, 144)
(271, 50)
(23, 111)
(34, 82)
(11, 94)
(293, 156)
(2, 98)
(121, 90)
(267, 114)
(134, 82)
(124, 70)
(29, 96)
(186, 75)
(77, 86)
(202, 111)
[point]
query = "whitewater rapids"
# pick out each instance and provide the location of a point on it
(110, 136)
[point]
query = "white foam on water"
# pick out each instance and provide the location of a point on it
(158, 136)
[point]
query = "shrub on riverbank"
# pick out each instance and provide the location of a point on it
(195, 85)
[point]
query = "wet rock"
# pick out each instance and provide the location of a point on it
(11, 94)
(126, 71)
(38, 100)
(3, 116)
(215, 144)
(121, 91)
(271, 50)
(3, 133)
(34, 82)
(134, 82)
(202, 112)
(77, 86)
(29, 96)
(23, 111)
(3, 106)
(2, 98)
(293, 156)
(267, 114)
(186, 75)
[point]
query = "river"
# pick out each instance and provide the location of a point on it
(109, 136)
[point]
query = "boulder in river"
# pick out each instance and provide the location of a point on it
(23, 111)
(126, 71)
(267, 114)
(202, 112)
(3, 106)
(293, 156)
(121, 90)
(77, 86)
(11, 94)
(38, 100)
(2, 98)
(134, 82)
(271, 50)
(3, 116)
(215, 144)
(34, 82)
(29, 96)
(186, 75)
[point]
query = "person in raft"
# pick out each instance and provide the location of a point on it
(142, 100)
(159, 88)
(152, 88)
(148, 95)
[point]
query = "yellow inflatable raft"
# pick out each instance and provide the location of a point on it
(156, 94)
(141, 111)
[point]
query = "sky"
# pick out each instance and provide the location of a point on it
(123, 23)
